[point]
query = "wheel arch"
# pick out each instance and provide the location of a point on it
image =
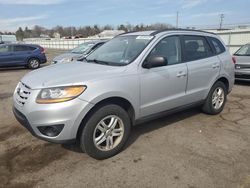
(32, 57)
(225, 81)
(120, 101)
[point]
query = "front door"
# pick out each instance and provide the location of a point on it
(163, 88)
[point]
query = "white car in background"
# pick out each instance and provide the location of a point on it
(79, 52)
(242, 63)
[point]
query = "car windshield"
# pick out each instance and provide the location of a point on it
(243, 51)
(82, 48)
(119, 51)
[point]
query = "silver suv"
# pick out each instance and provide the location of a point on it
(133, 78)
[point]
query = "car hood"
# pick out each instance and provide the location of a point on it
(76, 73)
(68, 55)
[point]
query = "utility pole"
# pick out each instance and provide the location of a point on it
(177, 20)
(222, 16)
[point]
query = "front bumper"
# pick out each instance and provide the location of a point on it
(23, 121)
(33, 116)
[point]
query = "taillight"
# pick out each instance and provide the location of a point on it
(42, 50)
(234, 59)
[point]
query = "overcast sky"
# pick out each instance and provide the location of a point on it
(49, 13)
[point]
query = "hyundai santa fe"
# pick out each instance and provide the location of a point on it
(133, 78)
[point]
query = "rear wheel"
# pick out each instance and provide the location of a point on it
(216, 99)
(106, 132)
(33, 63)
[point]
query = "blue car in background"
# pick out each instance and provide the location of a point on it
(27, 55)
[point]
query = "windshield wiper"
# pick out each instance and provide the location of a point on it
(98, 61)
(83, 58)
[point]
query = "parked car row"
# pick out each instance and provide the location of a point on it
(32, 56)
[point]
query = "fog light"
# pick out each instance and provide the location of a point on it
(51, 131)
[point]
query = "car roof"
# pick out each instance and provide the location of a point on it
(163, 31)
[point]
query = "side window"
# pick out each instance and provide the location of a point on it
(219, 48)
(170, 48)
(4, 49)
(20, 48)
(195, 47)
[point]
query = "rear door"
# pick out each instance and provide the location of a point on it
(21, 54)
(203, 66)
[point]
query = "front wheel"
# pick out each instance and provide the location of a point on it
(106, 132)
(33, 63)
(216, 99)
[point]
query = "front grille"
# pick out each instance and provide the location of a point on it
(22, 93)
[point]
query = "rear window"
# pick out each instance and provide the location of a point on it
(218, 46)
(196, 47)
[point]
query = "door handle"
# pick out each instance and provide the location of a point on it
(181, 74)
(215, 66)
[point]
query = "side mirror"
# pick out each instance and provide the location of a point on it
(156, 61)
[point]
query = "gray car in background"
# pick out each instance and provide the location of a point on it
(242, 63)
(132, 78)
(80, 51)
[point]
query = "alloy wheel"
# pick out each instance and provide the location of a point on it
(108, 133)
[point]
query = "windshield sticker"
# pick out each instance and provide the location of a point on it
(145, 37)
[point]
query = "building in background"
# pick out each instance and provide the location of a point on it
(7, 39)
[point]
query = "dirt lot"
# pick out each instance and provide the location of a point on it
(188, 149)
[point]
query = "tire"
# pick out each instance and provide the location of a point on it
(33, 63)
(95, 130)
(214, 107)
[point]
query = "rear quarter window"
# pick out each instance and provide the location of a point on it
(30, 48)
(218, 46)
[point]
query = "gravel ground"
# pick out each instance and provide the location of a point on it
(187, 149)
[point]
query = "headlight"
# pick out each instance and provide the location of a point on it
(59, 94)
